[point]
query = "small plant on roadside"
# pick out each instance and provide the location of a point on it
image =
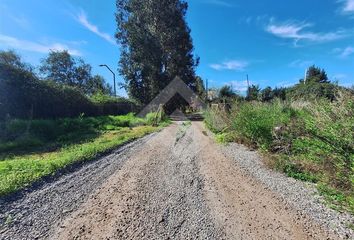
(308, 140)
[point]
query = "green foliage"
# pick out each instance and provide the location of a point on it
(199, 88)
(316, 75)
(315, 86)
(19, 171)
(23, 95)
(267, 94)
(61, 67)
(150, 58)
(256, 122)
(336, 199)
(279, 93)
(156, 118)
(11, 58)
(224, 137)
(216, 120)
(295, 172)
(23, 135)
(328, 141)
(33, 149)
(97, 85)
(308, 140)
(253, 93)
(313, 91)
(226, 92)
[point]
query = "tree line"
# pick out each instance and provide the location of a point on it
(316, 85)
(156, 47)
(62, 86)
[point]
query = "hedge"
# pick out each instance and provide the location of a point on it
(23, 95)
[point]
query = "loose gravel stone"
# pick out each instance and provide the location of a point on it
(34, 212)
(168, 186)
(301, 196)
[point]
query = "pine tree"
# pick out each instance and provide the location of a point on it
(316, 75)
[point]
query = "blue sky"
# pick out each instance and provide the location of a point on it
(272, 41)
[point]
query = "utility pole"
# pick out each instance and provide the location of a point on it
(206, 89)
(114, 78)
(306, 71)
(248, 85)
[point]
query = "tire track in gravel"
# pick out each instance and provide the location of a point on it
(166, 186)
(245, 208)
(158, 194)
(33, 214)
(186, 188)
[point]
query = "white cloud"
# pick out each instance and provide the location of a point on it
(347, 52)
(230, 65)
(300, 63)
(286, 84)
(82, 19)
(240, 86)
(219, 2)
(348, 6)
(343, 52)
(12, 42)
(296, 32)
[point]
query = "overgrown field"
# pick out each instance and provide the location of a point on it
(30, 150)
(312, 141)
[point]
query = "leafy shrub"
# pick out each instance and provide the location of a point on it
(309, 140)
(20, 135)
(216, 119)
(328, 140)
(23, 95)
(256, 122)
(155, 118)
(312, 91)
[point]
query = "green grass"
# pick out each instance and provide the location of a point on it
(310, 141)
(336, 199)
(18, 136)
(50, 145)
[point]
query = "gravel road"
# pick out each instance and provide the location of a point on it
(175, 184)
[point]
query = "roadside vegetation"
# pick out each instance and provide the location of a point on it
(58, 114)
(33, 149)
(62, 87)
(307, 132)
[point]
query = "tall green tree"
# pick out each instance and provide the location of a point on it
(156, 46)
(226, 92)
(280, 93)
(199, 87)
(253, 93)
(316, 75)
(317, 85)
(267, 94)
(16, 78)
(97, 85)
(61, 67)
(11, 58)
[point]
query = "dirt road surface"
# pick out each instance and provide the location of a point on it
(175, 184)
